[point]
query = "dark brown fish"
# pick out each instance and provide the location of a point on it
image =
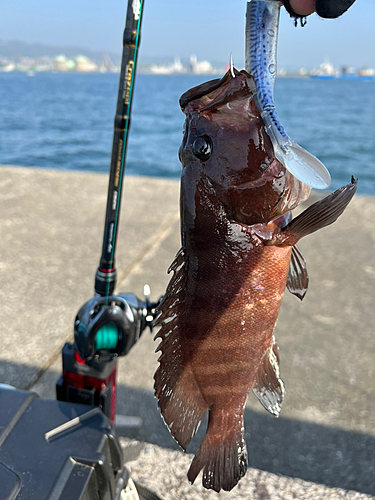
(238, 254)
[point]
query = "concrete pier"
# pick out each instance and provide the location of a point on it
(323, 444)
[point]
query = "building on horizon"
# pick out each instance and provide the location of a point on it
(63, 64)
(168, 69)
(80, 64)
(200, 67)
(85, 65)
(325, 69)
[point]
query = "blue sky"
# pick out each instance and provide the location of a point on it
(212, 29)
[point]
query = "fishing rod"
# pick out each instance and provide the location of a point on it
(108, 325)
(105, 280)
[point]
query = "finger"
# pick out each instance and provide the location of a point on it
(328, 9)
(302, 7)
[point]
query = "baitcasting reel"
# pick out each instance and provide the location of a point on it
(107, 327)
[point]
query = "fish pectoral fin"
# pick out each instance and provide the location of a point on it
(268, 386)
(320, 214)
(298, 279)
(179, 398)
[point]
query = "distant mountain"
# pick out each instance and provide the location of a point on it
(15, 49)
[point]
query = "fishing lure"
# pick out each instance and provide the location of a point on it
(262, 24)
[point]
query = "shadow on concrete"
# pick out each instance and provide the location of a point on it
(336, 458)
(333, 457)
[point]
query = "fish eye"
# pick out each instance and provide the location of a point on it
(202, 147)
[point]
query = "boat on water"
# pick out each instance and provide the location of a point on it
(327, 71)
(355, 77)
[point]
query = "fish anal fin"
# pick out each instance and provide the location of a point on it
(180, 401)
(222, 453)
(268, 386)
(316, 216)
(298, 279)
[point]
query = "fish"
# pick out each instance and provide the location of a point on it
(238, 254)
(262, 25)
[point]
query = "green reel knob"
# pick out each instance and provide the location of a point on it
(107, 337)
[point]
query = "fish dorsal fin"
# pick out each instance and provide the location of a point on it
(180, 401)
(268, 386)
(298, 279)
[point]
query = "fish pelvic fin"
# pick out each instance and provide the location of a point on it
(298, 279)
(179, 399)
(319, 215)
(222, 454)
(268, 386)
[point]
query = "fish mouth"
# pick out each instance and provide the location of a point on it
(201, 90)
(233, 86)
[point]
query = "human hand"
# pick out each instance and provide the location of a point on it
(324, 8)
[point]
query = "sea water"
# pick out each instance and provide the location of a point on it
(65, 121)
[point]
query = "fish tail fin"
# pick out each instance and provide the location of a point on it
(268, 386)
(222, 454)
(320, 214)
